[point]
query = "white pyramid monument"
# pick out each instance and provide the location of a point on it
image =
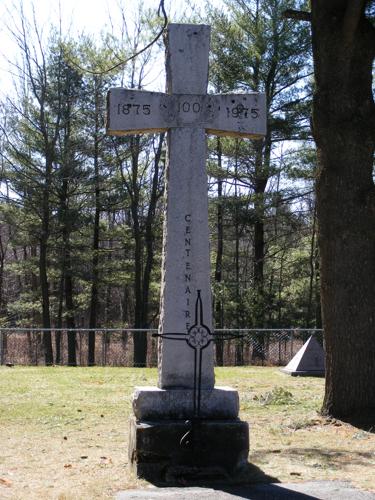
(308, 361)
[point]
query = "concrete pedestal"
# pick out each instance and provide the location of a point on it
(153, 403)
(217, 450)
(218, 444)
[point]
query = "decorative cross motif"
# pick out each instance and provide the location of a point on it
(198, 338)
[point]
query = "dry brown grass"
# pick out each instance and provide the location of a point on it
(63, 431)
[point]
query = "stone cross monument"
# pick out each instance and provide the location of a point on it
(187, 112)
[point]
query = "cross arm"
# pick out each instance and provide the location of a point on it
(139, 112)
(238, 115)
(132, 112)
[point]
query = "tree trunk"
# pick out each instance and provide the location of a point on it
(34, 339)
(94, 301)
(70, 322)
(150, 233)
(219, 344)
(125, 319)
(58, 356)
(312, 261)
(140, 338)
(237, 233)
(3, 336)
(260, 183)
(344, 124)
(3, 252)
(43, 264)
(318, 307)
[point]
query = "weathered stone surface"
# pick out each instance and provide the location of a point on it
(309, 360)
(220, 448)
(154, 403)
(186, 260)
(238, 115)
(188, 47)
(186, 256)
(137, 112)
(187, 112)
(311, 490)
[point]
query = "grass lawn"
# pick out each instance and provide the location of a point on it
(63, 431)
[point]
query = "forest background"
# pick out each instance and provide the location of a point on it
(81, 213)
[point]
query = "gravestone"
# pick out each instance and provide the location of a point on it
(163, 414)
(308, 361)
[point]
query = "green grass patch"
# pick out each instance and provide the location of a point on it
(64, 431)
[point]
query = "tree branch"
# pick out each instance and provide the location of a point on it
(131, 58)
(299, 15)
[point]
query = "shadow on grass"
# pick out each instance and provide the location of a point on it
(330, 457)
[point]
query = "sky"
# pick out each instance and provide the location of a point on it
(89, 16)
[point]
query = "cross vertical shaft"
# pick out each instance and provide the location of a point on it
(186, 259)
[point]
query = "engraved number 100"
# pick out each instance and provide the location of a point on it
(186, 107)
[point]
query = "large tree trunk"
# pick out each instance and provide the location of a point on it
(312, 281)
(344, 125)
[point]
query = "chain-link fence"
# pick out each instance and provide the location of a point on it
(114, 347)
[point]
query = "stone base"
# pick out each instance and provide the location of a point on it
(217, 449)
(153, 403)
(304, 373)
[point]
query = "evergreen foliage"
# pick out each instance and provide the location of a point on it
(81, 213)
